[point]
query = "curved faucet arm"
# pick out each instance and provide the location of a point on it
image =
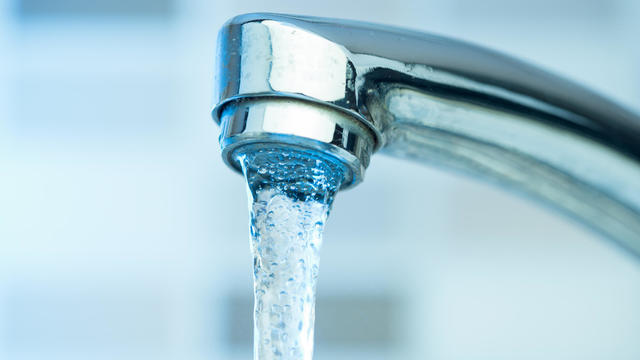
(435, 100)
(390, 54)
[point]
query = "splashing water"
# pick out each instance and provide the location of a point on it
(290, 194)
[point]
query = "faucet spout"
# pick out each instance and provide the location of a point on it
(349, 89)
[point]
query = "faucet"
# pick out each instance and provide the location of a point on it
(350, 89)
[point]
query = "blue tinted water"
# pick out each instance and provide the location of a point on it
(290, 195)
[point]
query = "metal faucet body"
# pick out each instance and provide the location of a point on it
(350, 89)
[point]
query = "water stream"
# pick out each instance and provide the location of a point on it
(290, 195)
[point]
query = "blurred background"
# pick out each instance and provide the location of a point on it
(123, 235)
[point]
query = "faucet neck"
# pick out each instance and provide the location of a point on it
(350, 88)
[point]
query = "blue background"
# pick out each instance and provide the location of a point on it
(123, 235)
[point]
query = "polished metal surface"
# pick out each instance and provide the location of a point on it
(351, 88)
(285, 121)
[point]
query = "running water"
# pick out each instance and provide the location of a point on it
(290, 195)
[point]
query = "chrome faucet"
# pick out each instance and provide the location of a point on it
(350, 89)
